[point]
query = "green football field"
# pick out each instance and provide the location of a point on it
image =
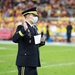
(55, 60)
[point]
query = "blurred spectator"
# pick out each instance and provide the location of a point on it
(10, 13)
(53, 29)
(44, 13)
(46, 8)
(47, 34)
(69, 31)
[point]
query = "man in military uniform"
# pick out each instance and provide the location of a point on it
(28, 51)
(69, 30)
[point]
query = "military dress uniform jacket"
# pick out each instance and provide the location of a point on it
(28, 52)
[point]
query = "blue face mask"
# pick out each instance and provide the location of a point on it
(35, 19)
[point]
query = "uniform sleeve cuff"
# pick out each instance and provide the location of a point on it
(22, 32)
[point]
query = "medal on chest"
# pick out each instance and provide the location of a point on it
(29, 34)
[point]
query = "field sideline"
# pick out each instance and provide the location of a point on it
(56, 59)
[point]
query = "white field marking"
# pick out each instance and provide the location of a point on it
(53, 65)
(1, 61)
(13, 71)
(48, 51)
(43, 63)
(8, 49)
(7, 42)
(2, 48)
(7, 55)
(61, 64)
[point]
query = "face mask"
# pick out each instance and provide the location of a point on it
(34, 20)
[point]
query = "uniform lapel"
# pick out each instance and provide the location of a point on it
(35, 30)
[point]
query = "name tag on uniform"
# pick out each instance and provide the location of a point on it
(37, 39)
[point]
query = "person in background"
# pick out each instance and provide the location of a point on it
(69, 31)
(47, 33)
(28, 58)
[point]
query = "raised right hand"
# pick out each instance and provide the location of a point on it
(25, 25)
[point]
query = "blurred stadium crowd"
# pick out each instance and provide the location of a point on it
(54, 13)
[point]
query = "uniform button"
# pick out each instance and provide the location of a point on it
(25, 54)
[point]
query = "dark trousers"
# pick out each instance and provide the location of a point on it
(27, 70)
(68, 37)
